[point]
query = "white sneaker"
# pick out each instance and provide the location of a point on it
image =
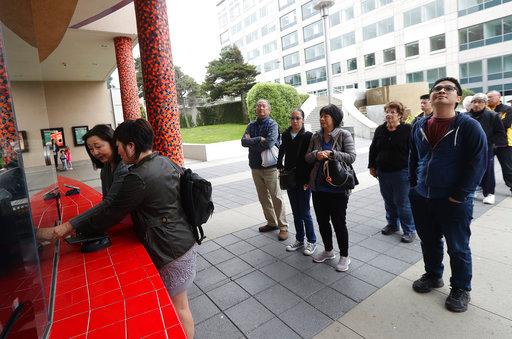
(310, 248)
(325, 255)
(343, 264)
(295, 246)
(489, 200)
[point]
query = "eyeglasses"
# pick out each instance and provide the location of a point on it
(295, 118)
(446, 88)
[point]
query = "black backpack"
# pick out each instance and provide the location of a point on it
(196, 200)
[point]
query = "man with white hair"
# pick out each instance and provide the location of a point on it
(503, 152)
(495, 133)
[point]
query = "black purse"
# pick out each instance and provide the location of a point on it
(339, 174)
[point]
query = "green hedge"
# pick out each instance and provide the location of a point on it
(282, 98)
(228, 113)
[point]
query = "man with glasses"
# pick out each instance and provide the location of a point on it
(261, 135)
(446, 163)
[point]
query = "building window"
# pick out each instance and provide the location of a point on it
(271, 65)
(236, 28)
(470, 72)
(253, 54)
(499, 67)
(307, 10)
(250, 19)
(352, 64)
(291, 60)
(253, 36)
(239, 43)
(294, 80)
(224, 38)
(424, 13)
(414, 77)
(487, 33)
(249, 3)
(288, 20)
(437, 42)
(336, 68)
(379, 28)
(315, 52)
(389, 54)
(370, 5)
(315, 75)
(269, 47)
(234, 11)
(369, 60)
(343, 41)
(434, 74)
(504, 89)
(285, 3)
(223, 19)
(289, 40)
(312, 31)
(470, 6)
(412, 49)
(388, 81)
(372, 84)
(268, 28)
(268, 9)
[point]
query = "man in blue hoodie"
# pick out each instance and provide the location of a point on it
(446, 163)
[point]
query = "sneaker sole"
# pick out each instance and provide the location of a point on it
(319, 261)
(288, 249)
(343, 270)
(309, 254)
(418, 290)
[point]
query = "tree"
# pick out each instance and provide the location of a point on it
(229, 75)
(466, 92)
(187, 88)
(138, 75)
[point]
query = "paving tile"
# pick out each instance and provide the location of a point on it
(240, 247)
(260, 240)
(299, 261)
(217, 327)
(274, 328)
(227, 239)
(356, 237)
(305, 319)
(404, 254)
(331, 302)
(209, 279)
(255, 282)
(202, 263)
(248, 315)
(208, 246)
(365, 230)
(279, 271)
(362, 253)
(218, 256)
(202, 308)
(194, 292)
(389, 264)
(373, 275)
(277, 299)
(277, 250)
(354, 288)
(234, 267)
(302, 285)
(257, 258)
(376, 245)
(354, 263)
(228, 295)
(325, 273)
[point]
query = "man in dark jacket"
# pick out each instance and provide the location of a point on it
(495, 133)
(503, 152)
(262, 135)
(446, 163)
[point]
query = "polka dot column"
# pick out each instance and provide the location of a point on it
(8, 137)
(127, 78)
(158, 76)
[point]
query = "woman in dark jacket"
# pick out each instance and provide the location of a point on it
(388, 161)
(295, 142)
(331, 142)
(150, 191)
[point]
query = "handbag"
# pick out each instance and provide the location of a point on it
(338, 173)
(287, 179)
(269, 156)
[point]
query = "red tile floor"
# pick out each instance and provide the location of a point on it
(113, 293)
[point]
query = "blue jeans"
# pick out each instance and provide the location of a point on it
(436, 218)
(394, 187)
(299, 199)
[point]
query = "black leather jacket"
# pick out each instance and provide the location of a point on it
(150, 191)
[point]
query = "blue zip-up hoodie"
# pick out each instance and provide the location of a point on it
(266, 128)
(453, 167)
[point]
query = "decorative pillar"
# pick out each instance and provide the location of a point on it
(127, 78)
(158, 76)
(8, 137)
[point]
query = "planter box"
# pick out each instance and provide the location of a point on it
(215, 151)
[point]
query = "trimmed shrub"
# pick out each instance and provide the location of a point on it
(227, 113)
(282, 98)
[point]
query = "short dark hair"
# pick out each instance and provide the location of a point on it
(105, 133)
(335, 112)
(450, 79)
(139, 132)
(425, 97)
(300, 111)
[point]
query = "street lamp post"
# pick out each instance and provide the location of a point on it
(323, 6)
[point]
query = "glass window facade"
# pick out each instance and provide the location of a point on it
(352, 64)
(369, 60)
(313, 30)
(269, 47)
(268, 28)
(412, 49)
(379, 28)
(271, 65)
(388, 81)
(372, 83)
(466, 7)
(343, 41)
(314, 52)
(437, 42)
(308, 10)
(291, 60)
(434, 74)
(315, 75)
(389, 54)
(294, 79)
(471, 72)
(285, 3)
(253, 36)
(499, 67)
(289, 40)
(424, 13)
(288, 20)
(414, 77)
(336, 68)
(370, 5)
(487, 33)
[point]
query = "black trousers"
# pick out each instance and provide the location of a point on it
(504, 155)
(332, 207)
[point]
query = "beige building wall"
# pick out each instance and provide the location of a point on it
(407, 94)
(59, 104)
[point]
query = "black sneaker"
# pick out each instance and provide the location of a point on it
(426, 283)
(388, 230)
(457, 300)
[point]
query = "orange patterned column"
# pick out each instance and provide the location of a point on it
(8, 137)
(127, 78)
(158, 76)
